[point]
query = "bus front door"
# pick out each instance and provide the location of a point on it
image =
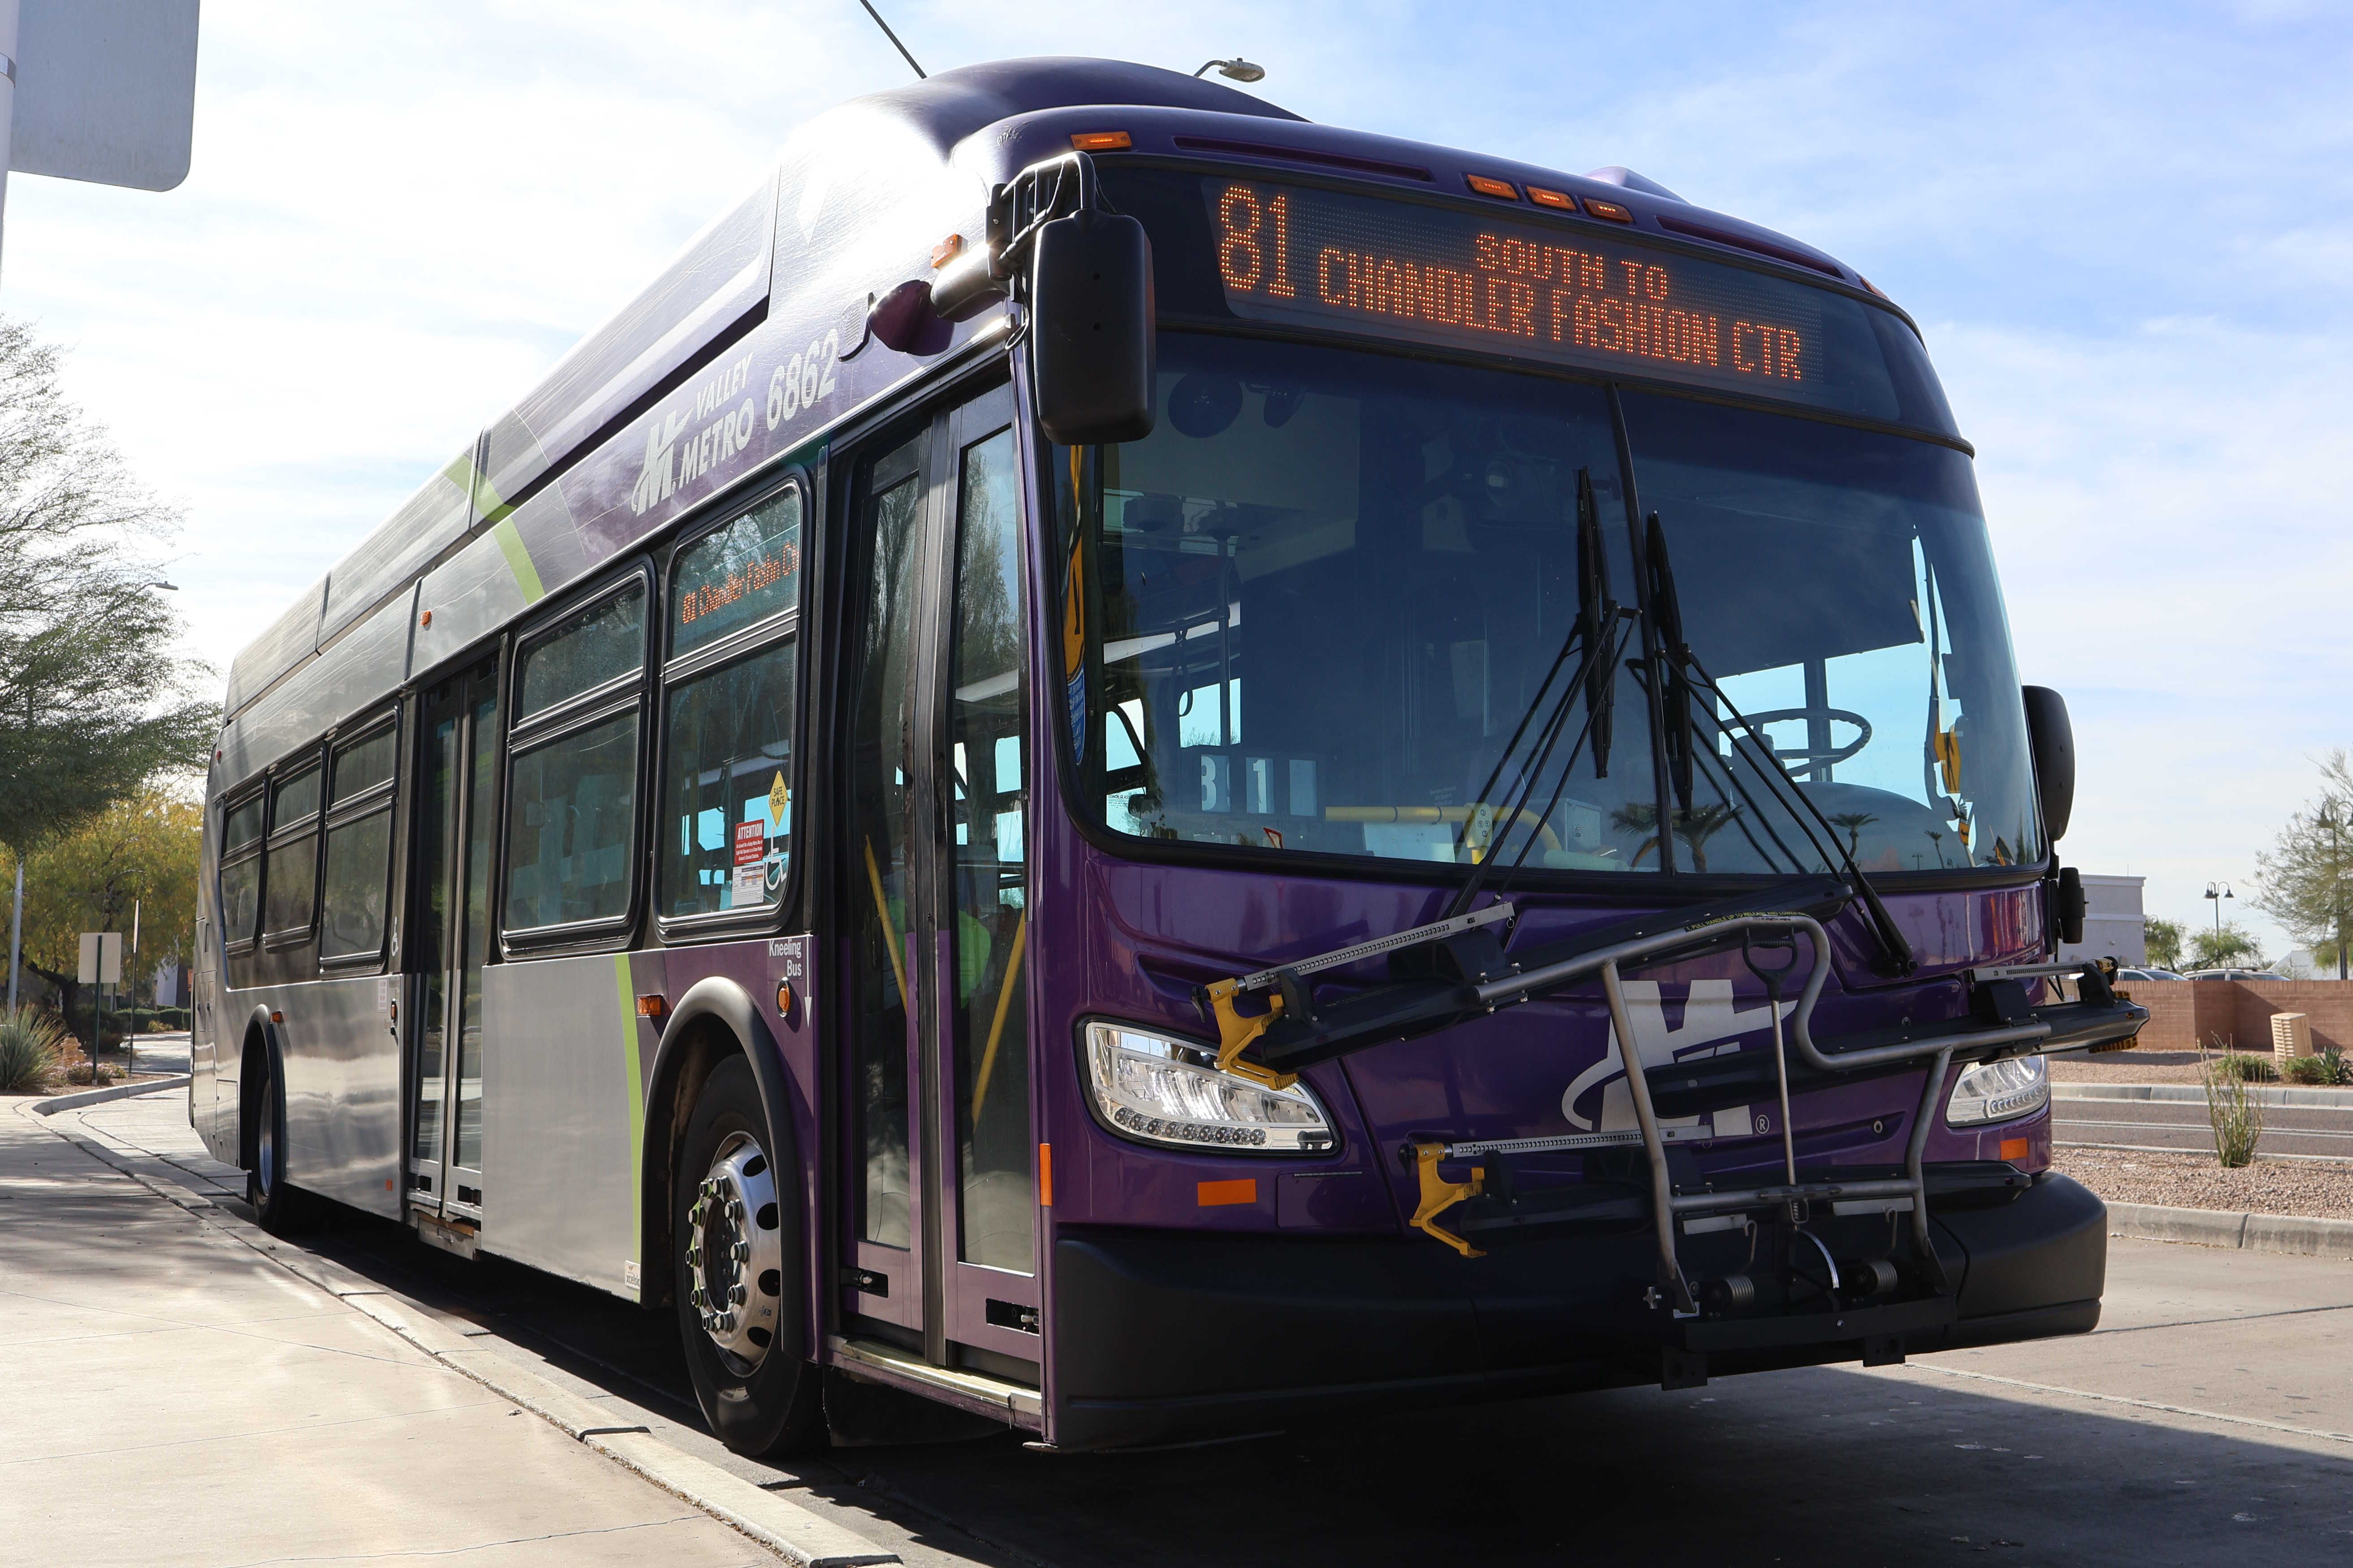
(456, 811)
(941, 1168)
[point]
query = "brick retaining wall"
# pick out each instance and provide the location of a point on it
(2186, 1014)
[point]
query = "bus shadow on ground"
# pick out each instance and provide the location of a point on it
(1814, 1466)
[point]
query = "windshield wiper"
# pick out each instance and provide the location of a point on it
(1672, 687)
(1596, 677)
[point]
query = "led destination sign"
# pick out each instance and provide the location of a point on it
(1291, 254)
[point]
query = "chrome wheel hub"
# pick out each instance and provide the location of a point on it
(734, 1253)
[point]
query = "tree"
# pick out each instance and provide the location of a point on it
(2212, 948)
(141, 850)
(1695, 827)
(2305, 882)
(2163, 938)
(94, 700)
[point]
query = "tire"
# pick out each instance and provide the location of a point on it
(737, 1272)
(280, 1208)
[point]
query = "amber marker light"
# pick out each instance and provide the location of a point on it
(1502, 190)
(1609, 210)
(1545, 198)
(946, 250)
(2016, 1148)
(1102, 141)
(652, 1005)
(785, 998)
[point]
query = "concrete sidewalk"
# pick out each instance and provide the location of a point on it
(171, 1397)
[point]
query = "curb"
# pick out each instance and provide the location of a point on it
(2294, 1234)
(2297, 1099)
(57, 1102)
(796, 1534)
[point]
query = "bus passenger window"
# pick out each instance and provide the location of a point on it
(353, 898)
(294, 870)
(727, 766)
(573, 803)
(240, 871)
(571, 781)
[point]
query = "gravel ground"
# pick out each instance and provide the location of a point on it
(2128, 1067)
(2195, 1182)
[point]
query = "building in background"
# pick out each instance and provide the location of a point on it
(2112, 921)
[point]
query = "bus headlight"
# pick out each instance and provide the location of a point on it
(1999, 1091)
(1163, 1090)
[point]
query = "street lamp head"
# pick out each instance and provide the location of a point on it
(1236, 69)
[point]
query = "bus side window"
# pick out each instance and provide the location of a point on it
(290, 897)
(240, 873)
(351, 898)
(572, 796)
(727, 735)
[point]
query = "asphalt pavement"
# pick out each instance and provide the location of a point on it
(2087, 1115)
(2210, 1421)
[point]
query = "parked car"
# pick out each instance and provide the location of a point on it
(2231, 975)
(2146, 973)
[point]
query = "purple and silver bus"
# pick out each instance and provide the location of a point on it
(1156, 771)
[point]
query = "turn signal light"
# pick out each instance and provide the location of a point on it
(1502, 190)
(1102, 141)
(2016, 1148)
(652, 1005)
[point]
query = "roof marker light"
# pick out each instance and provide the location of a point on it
(1545, 198)
(1609, 210)
(1502, 190)
(1102, 141)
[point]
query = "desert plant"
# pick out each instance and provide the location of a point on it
(32, 1048)
(2328, 1067)
(82, 1072)
(2247, 1066)
(2236, 1116)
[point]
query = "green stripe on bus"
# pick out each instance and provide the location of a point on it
(526, 575)
(637, 1109)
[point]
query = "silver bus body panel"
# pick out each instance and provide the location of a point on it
(341, 1082)
(564, 1059)
(367, 666)
(293, 637)
(402, 546)
(475, 591)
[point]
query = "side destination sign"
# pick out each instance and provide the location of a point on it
(1465, 279)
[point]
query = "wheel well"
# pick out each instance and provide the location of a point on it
(685, 1066)
(253, 1071)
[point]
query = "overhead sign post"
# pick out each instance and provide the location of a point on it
(103, 91)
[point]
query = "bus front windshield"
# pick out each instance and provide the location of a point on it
(1336, 605)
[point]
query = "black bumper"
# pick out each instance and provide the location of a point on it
(1164, 1337)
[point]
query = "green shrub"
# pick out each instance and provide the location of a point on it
(32, 1049)
(80, 1072)
(2246, 1067)
(2328, 1068)
(2236, 1116)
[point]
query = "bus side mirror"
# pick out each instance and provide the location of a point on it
(1093, 320)
(2051, 738)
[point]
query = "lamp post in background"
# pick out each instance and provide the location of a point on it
(2217, 892)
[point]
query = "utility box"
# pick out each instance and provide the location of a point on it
(2291, 1037)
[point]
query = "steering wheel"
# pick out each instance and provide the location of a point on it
(1805, 758)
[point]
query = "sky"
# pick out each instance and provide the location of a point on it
(2123, 228)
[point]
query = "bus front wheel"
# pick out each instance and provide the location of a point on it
(736, 1273)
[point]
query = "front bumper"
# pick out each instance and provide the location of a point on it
(1164, 1337)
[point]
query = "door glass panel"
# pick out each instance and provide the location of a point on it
(878, 871)
(436, 818)
(988, 796)
(474, 939)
